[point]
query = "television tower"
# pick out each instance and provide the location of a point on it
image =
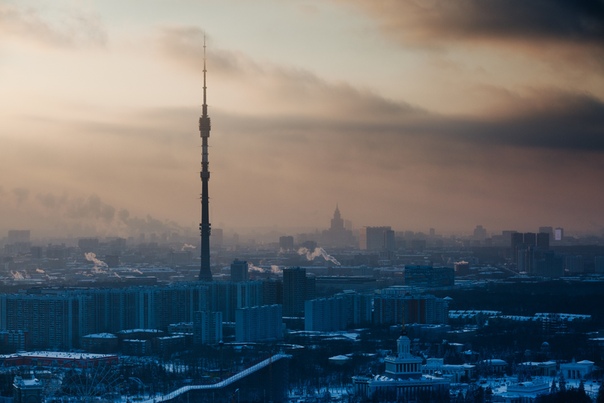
(205, 274)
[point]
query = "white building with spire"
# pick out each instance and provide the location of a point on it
(402, 379)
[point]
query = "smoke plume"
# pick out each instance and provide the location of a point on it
(316, 253)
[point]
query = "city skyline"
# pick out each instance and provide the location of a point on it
(411, 114)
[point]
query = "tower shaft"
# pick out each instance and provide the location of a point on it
(205, 273)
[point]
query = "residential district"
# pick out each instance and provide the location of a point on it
(329, 316)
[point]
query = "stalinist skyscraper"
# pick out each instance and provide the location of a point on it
(205, 273)
(337, 235)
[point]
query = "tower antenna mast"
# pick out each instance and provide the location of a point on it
(205, 273)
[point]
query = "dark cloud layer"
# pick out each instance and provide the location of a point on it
(335, 127)
(561, 121)
(552, 120)
(577, 21)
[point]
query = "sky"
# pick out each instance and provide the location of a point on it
(415, 114)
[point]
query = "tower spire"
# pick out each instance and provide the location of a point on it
(205, 272)
(205, 106)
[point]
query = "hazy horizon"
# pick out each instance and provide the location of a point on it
(416, 115)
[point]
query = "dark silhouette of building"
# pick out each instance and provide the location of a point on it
(205, 272)
(286, 242)
(377, 239)
(297, 288)
(543, 240)
(528, 248)
(239, 271)
(337, 235)
(480, 234)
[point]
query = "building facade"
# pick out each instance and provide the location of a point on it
(259, 323)
(402, 379)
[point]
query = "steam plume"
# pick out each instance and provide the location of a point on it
(91, 257)
(316, 253)
(274, 269)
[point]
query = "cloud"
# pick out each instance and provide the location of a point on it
(550, 120)
(358, 131)
(184, 45)
(578, 22)
(287, 89)
(79, 216)
(418, 167)
(72, 29)
(296, 141)
(303, 102)
(568, 34)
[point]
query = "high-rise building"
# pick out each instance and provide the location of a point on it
(50, 320)
(377, 239)
(342, 311)
(60, 320)
(337, 235)
(599, 264)
(296, 289)
(543, 240)
(529, 239)
(207, 327)
(395, 305)
(359, 308)
(286, 242)
(272, 291)
(228, 296)
(325, 314)
(574, 264)
(480, 233)
(523, 245)
(548, 263)
(259, 323)
(547, 230)
(239, 271)
(88, 245)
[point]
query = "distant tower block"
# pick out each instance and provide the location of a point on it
(239, 271)
(205, 273)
